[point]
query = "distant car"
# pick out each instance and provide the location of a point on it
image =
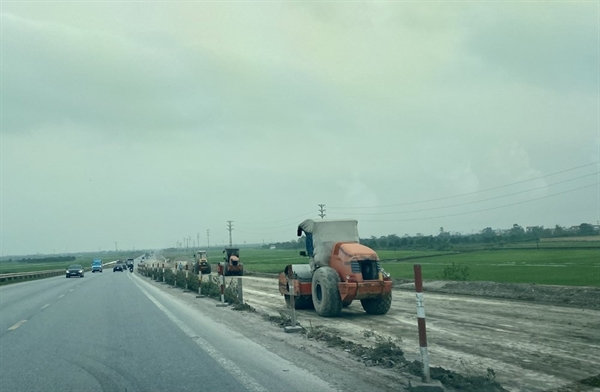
(75, 270)
(118, 267)
(97, 265)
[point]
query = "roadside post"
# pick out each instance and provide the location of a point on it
(292, 286)
(187, 277)
(240, 290)
(163, 269)
(175, 277)
(200, 286)
(222, 278)
(427, 384)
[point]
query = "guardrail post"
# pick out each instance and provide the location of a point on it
(291, 280)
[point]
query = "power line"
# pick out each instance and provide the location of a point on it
(293, 231)
(276, 221)
(466, 203)
(482, 210)
(467, 194)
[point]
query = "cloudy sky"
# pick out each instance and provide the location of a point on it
(143, 123)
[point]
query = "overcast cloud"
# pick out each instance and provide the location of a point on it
(144, 123)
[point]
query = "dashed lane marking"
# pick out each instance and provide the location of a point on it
(17, 325)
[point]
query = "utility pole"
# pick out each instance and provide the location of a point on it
(322, 210)
(207, 239)
(116, 249)
(198, 240)
(230, 228)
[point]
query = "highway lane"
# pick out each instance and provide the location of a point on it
(115, 332)
(19, 301)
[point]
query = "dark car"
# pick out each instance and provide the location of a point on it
(118, 267)
(75, 270)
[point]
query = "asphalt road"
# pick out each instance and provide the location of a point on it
(116, 332)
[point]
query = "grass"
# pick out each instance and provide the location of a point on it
(573, 267)
(576, 267)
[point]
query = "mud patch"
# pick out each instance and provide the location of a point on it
(589, 384)
(281, 321)
(386, 353)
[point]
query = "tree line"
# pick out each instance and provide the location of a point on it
(486, 237)
(54, 259)
(448, 241)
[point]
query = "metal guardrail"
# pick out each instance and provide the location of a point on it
(30, 275)
(18, 276)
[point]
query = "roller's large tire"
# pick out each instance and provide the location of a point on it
(379, 305)
(303, 302)
(207, 270)
(325, 293)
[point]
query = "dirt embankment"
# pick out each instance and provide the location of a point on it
(583, 297)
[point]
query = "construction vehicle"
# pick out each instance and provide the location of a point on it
(340, 270)
(232, 264)
(201, 262)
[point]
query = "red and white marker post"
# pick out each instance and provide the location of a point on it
(292, 287)
(421, 322)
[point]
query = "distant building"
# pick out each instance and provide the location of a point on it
(272, 247)
(530, 229)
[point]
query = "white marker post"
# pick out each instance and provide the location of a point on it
(187, 279)
(240, 290)
(292, 287)
(199, 285)
(222, 278)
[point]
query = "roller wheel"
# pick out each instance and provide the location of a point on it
(325, 293)
(304, 302)
(379, 305)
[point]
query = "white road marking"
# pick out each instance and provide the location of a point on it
(60, 296)
(17, 325)
(45, 306)
(248, 381)
(70, 290)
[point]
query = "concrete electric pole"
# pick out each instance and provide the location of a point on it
(322, 210)
(230, 229)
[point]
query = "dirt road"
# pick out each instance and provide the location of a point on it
(531, 347)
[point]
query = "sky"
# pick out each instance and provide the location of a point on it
(136, 124)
